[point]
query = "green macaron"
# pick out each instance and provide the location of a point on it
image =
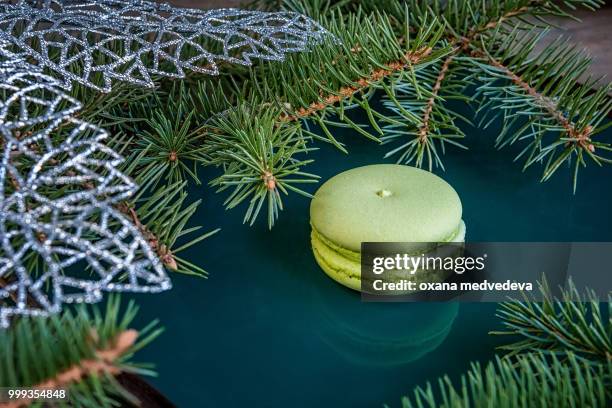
(380, 203)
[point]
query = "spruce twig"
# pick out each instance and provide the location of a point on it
(573, 323)
(78, 350)
(103, 364)
(561, 358)
(409, 60)
(534, 380)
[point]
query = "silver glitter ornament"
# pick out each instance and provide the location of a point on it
(97, 42)
(59, 188)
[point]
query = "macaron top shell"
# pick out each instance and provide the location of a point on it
(385, 203)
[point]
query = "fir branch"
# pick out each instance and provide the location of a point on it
(164, 146)
(259, 161)
(562, 358)
(163, 220)
(103, 364)
(423, 124)
(469, 18)
(408, 61)
(170, 147)
(561, 115)
(574, 323)
(165, 255)
(79, 351)
(534, 380)
(321, 86)
(467, 25)
(581, 135)
(111, 110)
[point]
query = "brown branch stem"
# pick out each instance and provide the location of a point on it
(346, 92)
(269, 180)
(581, 136)
(163, 252)
(424, 128)
(508, 15)
(30, 301)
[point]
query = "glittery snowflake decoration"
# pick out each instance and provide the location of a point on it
(97, 42)
(59, 191)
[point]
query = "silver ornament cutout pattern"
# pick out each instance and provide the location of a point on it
(97, 42)
(87, 246)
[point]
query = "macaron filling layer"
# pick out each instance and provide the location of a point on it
(344, 265)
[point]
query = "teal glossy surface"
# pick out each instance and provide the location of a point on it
(269, 329)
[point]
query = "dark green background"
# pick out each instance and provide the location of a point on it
(269, 329)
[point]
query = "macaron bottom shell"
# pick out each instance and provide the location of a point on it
(344, 271)
(344, 266)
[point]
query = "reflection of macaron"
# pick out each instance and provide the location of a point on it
(369, 333)
(379, 203)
